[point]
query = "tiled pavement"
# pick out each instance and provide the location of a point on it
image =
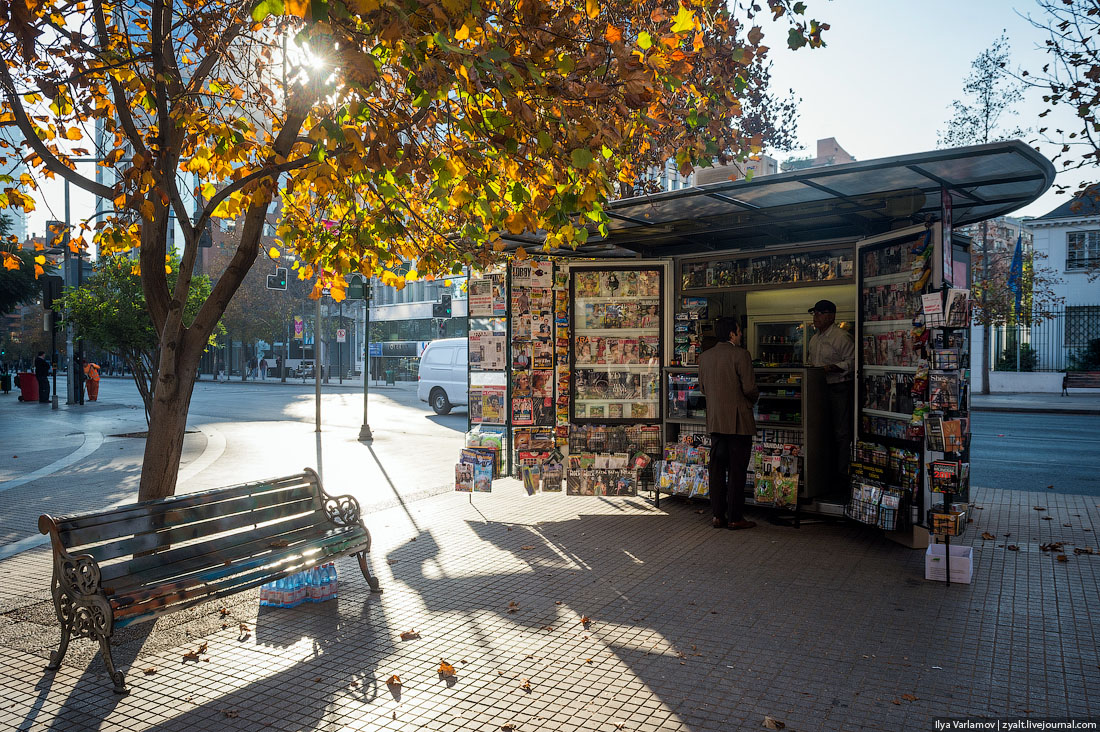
(827, 627)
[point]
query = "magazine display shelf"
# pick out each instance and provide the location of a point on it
(487, 356)
(789, 426)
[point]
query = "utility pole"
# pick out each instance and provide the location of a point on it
(364, 431)
(317, 363)
(986, 350)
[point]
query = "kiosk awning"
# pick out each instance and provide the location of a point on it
(832, 202)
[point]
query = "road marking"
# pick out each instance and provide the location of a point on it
(92, 441)
(215, 446)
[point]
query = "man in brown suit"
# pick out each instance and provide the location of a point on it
(729, 385)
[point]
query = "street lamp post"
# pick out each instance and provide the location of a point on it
(364, 431)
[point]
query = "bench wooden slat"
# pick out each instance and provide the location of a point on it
(146, 612)
(211, 553)
(189, 532)
(143, 560)
(164, 516)
(281, 563)
(1081, 380)
(84, 520)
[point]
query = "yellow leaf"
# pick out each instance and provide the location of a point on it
(592, 7)
(463, 33)
(273, 253)
(74, 133)
(296, 7)
(446, 669)
(684, 21)
(167, 269)
(40, 259)
(521, 254)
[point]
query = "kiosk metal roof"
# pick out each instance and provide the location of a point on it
(853, 200)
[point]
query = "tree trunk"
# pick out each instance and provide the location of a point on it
(170, 404)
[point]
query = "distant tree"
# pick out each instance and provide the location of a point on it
(109, 310)
(990, 94)
(995, 302)
(1070, 79)
(17, 284)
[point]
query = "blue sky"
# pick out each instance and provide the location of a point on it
(883, 84)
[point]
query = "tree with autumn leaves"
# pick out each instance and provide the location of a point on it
(412, 131)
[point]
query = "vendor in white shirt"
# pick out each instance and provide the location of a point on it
(833, 350)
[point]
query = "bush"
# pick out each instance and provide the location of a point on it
(1087, 358)
(1029, 359)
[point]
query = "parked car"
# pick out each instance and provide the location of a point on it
(441, 380)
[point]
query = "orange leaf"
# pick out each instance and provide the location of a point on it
(296, 7)
(446, 669)
(613, 34)
(410, 635)
(394, 680)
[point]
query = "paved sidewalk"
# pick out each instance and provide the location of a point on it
(1078, 402)
(829, 627)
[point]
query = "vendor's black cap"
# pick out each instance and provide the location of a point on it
(823, 306)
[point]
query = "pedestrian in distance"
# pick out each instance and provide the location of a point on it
(91, 380)
(727, 378)
(263, 368)
(42, 373)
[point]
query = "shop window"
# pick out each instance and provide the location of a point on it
(1082, 250)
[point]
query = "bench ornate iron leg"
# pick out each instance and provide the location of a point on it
(365, 569)
(117, 677)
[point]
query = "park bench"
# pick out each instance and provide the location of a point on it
(1080, 380)
(139, 561)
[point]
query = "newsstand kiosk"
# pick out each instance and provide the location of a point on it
(583, 365)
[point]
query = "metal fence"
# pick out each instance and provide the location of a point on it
(1068, 341)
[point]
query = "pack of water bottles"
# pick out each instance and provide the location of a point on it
(312, 585)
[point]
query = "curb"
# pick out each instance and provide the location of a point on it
(1037, 410)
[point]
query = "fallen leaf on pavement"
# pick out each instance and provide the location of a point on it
(316, 679)
(508, 727)
(1067, 526)
(224, 611)
(527, 548)
(585, 621)
(1062, 558)
(231, 713)
(1047, 518)
(410, 635)
(526, 686)
(1039, 508)
(895, 701)
(558, 602)
(909, 697)
(987, 535)
(446, 669)
(392, 561)
(1012, 548)
(191, 656)
(149, 671)
(1084, 550)
(1054, 546)
(1050, 487)
(394, 680)
(773, 723)
(513, 606)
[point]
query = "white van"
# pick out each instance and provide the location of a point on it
(441, 380)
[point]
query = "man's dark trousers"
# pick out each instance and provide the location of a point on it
(841, 396)
(729, 459)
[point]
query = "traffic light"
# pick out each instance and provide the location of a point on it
(442, 309)
(277, 281)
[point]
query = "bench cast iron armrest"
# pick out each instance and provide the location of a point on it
(79, 601)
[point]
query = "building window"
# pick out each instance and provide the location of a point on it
(1082, 250)
(1082, 324)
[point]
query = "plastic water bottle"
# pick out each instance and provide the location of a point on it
(313, 585)
(267, 595)
(331, 581)
(299, 589)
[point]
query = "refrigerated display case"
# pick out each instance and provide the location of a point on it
(779, 344)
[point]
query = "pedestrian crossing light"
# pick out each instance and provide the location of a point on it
(277, 281)
(442, 309)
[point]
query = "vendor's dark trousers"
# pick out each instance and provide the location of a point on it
(43, 389)
(841, 397)
(729, 459)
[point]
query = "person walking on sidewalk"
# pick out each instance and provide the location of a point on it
(263, 368)
(42, 373)
(91, 380)
(728, 381)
